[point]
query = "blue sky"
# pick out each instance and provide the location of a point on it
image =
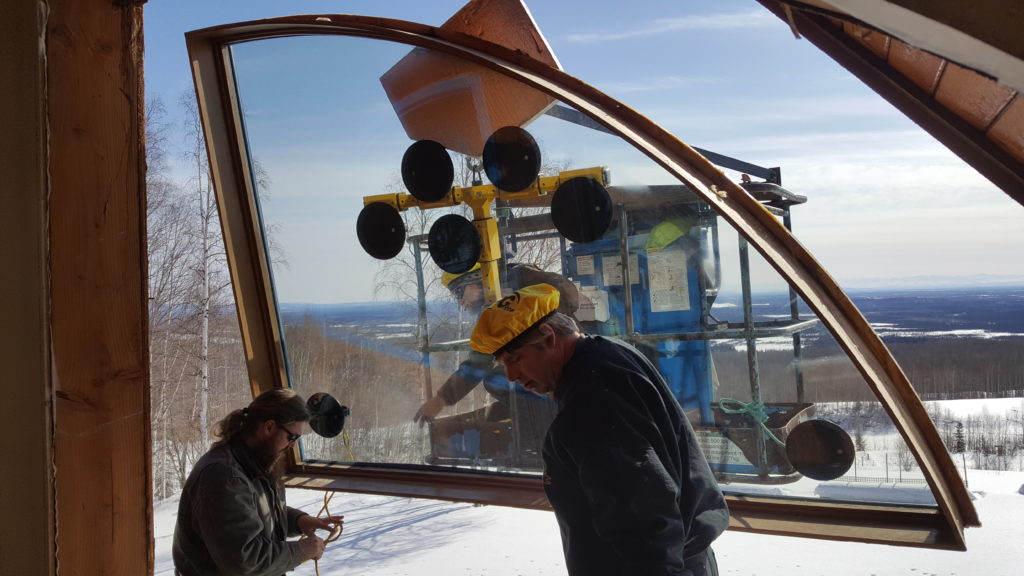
(884, 199)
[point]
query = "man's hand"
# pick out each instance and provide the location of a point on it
(312, 547)
(429, 409)
(308, 525)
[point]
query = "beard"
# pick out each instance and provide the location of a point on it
(267, 459)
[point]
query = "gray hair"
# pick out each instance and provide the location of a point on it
(559, 323)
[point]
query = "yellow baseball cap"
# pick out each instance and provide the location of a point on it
(505, 320)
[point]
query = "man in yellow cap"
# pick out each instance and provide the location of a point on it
(531, 413)
(623, 471)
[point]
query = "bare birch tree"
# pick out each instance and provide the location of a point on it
(209, 278)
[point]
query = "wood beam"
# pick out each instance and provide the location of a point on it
(963, 140)
(985, 37)
(98, 301)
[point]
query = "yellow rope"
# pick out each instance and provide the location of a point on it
(325, 511)
(334, 535)
(348, 445)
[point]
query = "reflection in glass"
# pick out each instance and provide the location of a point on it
(746, 359)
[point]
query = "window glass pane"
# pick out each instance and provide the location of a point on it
(779, 407)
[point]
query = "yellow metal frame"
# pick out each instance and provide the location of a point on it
(480, 199)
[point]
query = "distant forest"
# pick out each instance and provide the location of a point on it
(939, 369)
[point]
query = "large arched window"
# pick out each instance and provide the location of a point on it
(342, 270)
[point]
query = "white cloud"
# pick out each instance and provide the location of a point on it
(729, 115)
(744, 20)
(656, 84)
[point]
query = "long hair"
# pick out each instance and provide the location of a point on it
(282, 405)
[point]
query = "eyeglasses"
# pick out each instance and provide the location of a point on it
(292, 437)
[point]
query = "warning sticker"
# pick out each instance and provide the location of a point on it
(593, 305)
(611, 266)
(669, 284)
(585, 264)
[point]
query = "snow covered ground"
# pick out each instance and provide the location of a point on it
(401, 536)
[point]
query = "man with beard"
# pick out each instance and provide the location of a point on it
(232, 517)
(531, 413)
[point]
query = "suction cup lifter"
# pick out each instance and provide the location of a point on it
(427, 171)
(454, 244)
(327, 415)
(581, 207)
(380, 230)
(511, 159)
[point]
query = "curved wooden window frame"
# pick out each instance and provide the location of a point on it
(209, 53)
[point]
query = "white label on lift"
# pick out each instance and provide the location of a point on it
(593, 305)
(719, 450)
(669, 284)
(611, 265)
(585, 264)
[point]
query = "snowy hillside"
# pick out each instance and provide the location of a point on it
(400, 536)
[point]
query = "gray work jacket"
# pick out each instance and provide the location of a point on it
(232, 519)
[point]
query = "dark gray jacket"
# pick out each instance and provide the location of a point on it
(623, 471)
(232, 519)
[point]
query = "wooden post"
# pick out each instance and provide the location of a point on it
(98, 301)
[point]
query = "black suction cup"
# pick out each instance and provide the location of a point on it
(427, 170)
(327, 416)
(820, 450)
(582, 209)
(380, 230)
(511, 159)
(454, 244)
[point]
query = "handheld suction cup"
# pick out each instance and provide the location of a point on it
(328, 416)
(820, 449)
